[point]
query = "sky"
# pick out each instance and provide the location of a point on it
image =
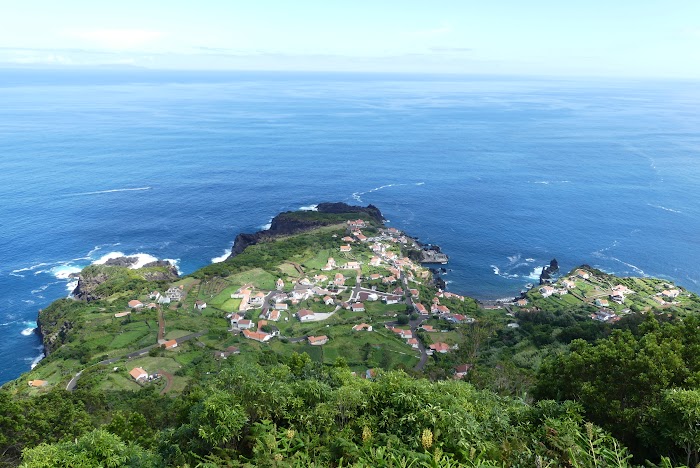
(641, 38)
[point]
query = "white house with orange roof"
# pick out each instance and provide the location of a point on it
(345, 248)
(439, 347)
(279, 284)
(358, 307)
(328, 300)
(135, 304)
(317, 340)
(138, 374)
(330, 264)
(362, 327)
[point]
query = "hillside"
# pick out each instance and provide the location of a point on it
(322, 342)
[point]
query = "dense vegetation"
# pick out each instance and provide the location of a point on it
(298, 413)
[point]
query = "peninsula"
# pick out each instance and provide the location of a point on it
(327, 307)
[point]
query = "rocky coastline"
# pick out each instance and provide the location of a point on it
(286, 223)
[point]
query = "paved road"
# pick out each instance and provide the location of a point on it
(71, 385)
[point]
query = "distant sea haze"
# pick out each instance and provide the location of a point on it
(503, 174)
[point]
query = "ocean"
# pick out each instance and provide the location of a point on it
(503, 173)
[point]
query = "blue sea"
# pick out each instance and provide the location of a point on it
(503, 173)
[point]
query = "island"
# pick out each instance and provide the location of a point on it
(334, 311)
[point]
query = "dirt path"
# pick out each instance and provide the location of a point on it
(169, 383)
(161, 326)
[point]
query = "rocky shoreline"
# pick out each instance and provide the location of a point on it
(285, 224)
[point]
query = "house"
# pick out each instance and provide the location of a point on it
(258, 299)
(398, 291)
(361, 237)
(330, 264)
(603, 315)
(245, 324)
(328, 300)
(170, 344)
(367, 296)
(358, 307)
(151, 305)
(200, 305)
(134, 304)
(174, 294)
(522, 302)
(362, 327)
(242, 293)
(375, 261)
(39, 383)
(428, 328)
(414, 293)
(404, 334)
(339, 279)
(138, 374)
(164, 300)
(412, 342)
(392, 299)
(375, 276)
(670, 293)
(305, 315)
(347, 239)
(281, 306)
(351, 266)
(617, 297)
(318, 340)
(390, 255)
(420, 308)
(443, 309)
(389, 280)
(279, 284)
(583, 274)
(601, 302)
(320, 278)
(122, 314)
(546, 291)
(356, 224)
(345, 248)
(155, 295)
(568, 284)
(224, 354)
(440, 347)
(257, 336)
(273, 315)
(461, 370)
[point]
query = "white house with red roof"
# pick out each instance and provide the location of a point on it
(358, 307)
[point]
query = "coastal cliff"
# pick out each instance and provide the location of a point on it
(295, 222)
(94, 280)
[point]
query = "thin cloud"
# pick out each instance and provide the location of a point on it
(451, 49)
(116, 38)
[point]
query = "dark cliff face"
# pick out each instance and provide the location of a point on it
(289, 222)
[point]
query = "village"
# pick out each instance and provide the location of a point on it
(611, 298)
(365, 278)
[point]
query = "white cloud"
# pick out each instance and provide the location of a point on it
(118, 39)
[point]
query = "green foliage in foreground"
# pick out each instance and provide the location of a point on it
(300, 413)
(643, 387)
